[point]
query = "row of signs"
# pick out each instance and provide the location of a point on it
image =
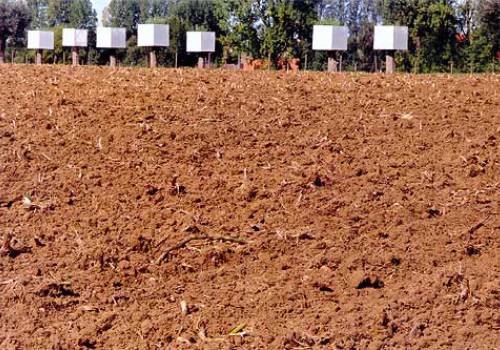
(325, 38)
(332, 38)
(153, 35)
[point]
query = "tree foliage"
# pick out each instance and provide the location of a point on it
(238, 25)
(489, 22)
(71, 13)
(442, 33)
(14, 19)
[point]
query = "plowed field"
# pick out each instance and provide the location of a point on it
(164, 209)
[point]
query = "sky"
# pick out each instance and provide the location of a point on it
(99, 5)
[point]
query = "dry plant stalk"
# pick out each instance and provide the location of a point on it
(183, 243)
(184, 308)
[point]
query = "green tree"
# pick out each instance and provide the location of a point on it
(82, 15)
(123, 13)
(178, 29)
(467, 17)
(14, 19)
(489, 21)
(286, 27)
(432, 27)
(72, 13)
(478, 54)
(38, 12)
(278, 31)
(434, 32)
(153, 9)
(58, 12)
(479, 26)
(188, 15)
(198, 14)
(237, 22)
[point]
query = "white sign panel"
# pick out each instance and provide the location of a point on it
(74, 37)
(329, 38)
(111, 38)
(153, 35)
(390, 38)
(200, 41)
(38, 39)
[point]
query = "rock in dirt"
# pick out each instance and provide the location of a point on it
(362, 280)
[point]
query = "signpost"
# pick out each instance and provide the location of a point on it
(111, 38)
(40, 40)
(330, 38)
(201, 42)
(74, 38)
(153, 35)
(390, 38)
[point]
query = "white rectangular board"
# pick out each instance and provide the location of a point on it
(40, 40)
(329, 38)
(111, 38)
(153, 35)
(200, 41)
(74, 37)
(390, 38)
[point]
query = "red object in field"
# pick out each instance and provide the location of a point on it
(294, 64)
(460, 38)
(255, 64)
(281, 64)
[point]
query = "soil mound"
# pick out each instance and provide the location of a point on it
(146, 209)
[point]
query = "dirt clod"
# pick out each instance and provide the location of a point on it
(348, 211)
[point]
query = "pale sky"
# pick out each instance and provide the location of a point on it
(99, 5)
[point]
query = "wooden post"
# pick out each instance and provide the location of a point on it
(74, 56)
(38, 59)
(152, 58)
(390, 65)
(2, 53)
(332, 63)
(209, 60)
(340, 63)
(112, 60)
(201, 62)
(176, 55)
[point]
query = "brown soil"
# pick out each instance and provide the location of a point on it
(329, 211)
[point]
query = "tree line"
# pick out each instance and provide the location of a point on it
(458, 35)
